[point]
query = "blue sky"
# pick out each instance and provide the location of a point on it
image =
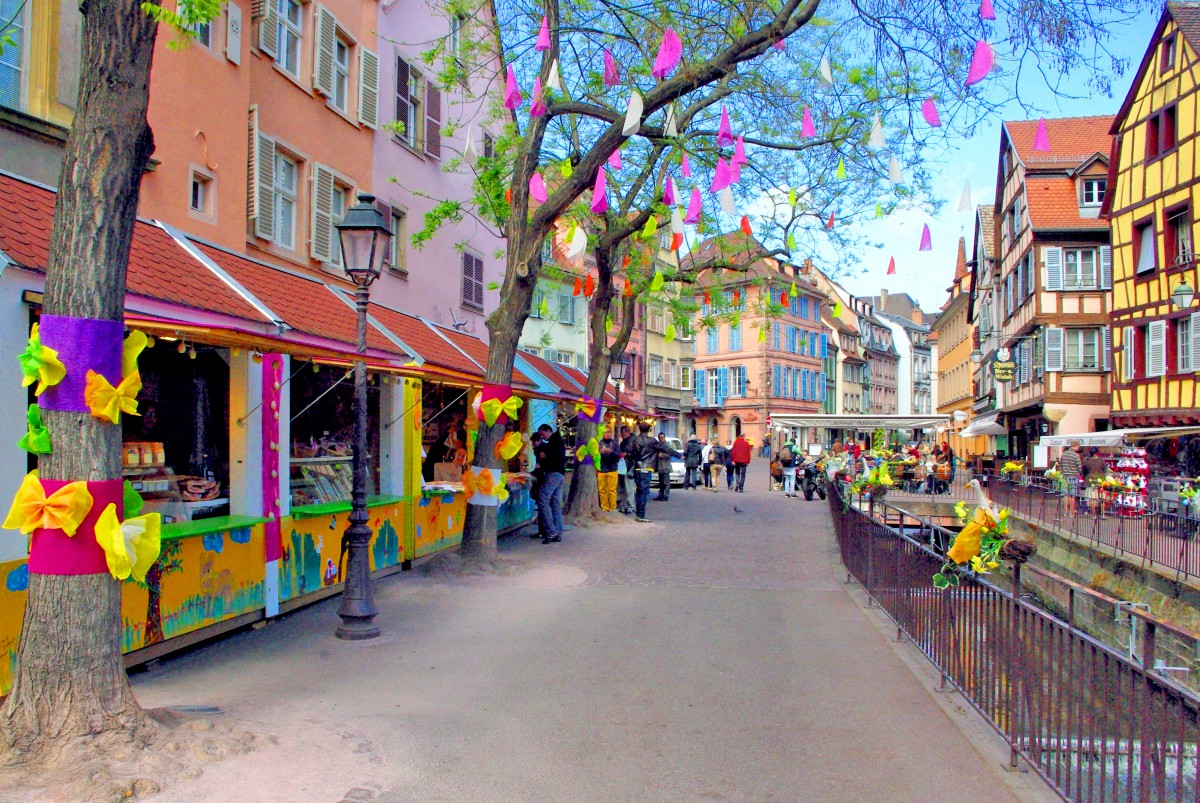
(926, 275)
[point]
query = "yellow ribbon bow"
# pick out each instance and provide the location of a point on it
(586, 408)
(108, 402)
(65, 509)
(492, 408)
(502, 490)
(40, 364)
(130, 546)
(482, 483)
(509, 446)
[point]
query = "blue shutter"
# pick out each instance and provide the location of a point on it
(776, 331)
(812, 344)
(775, 379)
(823, 386)
(804, 384)
(824, 346)
(698, 386)
(722, 386)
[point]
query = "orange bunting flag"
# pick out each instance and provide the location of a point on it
(589, 286)
(829, 225)
(707, 298)
(578, 286)
(783, 299)
(508, 195)
(628, 287)
(625, 261)
(737, 297)
(749, 232)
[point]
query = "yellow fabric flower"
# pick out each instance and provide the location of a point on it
(509, 446)
(108, 402)
(492, 408)
(966, 544)
(134, 345)
(131, 546)
(65, 509)
(40, 364)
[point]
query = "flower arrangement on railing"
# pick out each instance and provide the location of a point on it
(1012, 467)
(1187, 494)
(982, 543)
(875, 482)
(1107, 483)
(1057, 479)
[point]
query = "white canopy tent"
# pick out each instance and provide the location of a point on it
(862, 422)
(985, 425)
(1117, 437)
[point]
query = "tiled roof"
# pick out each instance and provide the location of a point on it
(476, 349)
(1072, 140)
(158, 267)
(1187, 17)
(734, 248)
(987, 230)
(420, 338)
(1054, 204)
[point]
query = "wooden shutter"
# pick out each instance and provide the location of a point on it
(368, 88)
(1195, 331)
(263, 180)
(252, 164)
(320, 236)
(403, 102)
(233, 33)
(472, 281)
(1053, 257)
(268, 28)
(1023, 363)
(1156, 348)
(1055, 347)
(1105, 267)
(324, 44)
(433, 121)
(1128, 352)
(385, 209)
(698, 386)
(258, 9)
(722, 386)
(1106, 348)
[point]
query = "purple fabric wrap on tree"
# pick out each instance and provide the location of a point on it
(82, 344)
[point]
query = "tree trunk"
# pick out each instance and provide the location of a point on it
(583, 500)
(70, 681)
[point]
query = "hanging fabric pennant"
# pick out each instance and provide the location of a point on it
(614, 161)
(538, 107)
(633, 114)
(578, 243)
(981, 63)
(746, 230)
(791, 198)
(537, 188)
(781, 44)
(544, 308)
(793, 289)
(669, 127)
(720, 175)
(469, 152)
(826, 73)
(739, 151)
(727, 203)
(676, 229)
(628, 288)
(735, 172)
(829, 225)
(784, 300)
(694, 208)
(894, 174)
(543, 37)
(878, 211)
(724, 131)
(668, 197)
(553, 81)
(651, 228)
(986, 12)
(589, 286)
(578, 287)
(891, 271)
(565, 168)
(1041, 140)
(876, 141)
(926, 240)
(964, 201)
(791, 241)
(707, 298)
(837, 309)
(512, 92)
(611, 77)
(841, 169)
(685, 169)
(807, 129)
(608, 323)
(669, 52)
(762, 334)
(599, 203)
(656, 283)
(669, 333)
(930, 113)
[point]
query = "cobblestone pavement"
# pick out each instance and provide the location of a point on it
(709, 655)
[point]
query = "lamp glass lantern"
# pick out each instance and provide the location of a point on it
(1183, 295)
(976, 356)
(363, 234)
(618, 369)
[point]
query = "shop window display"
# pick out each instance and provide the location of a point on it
(443, 432)
(322, 428)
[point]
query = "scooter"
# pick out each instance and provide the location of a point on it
(812, 480)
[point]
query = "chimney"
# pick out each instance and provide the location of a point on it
(918, 316)
(883, 300)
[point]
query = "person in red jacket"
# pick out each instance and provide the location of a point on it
(740, 455)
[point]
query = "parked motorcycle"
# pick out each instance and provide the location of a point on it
(812, 480)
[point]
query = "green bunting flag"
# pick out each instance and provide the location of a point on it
(841, 170)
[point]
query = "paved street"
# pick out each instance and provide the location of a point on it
(710, 655)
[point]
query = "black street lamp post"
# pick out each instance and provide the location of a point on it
(363, 235)
(617, 372)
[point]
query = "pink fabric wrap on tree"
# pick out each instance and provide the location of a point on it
(82, 344)
(272, 389)
(54, 552)
(500, 393)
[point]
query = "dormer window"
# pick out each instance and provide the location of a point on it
(1093, 190)
(1166, 56)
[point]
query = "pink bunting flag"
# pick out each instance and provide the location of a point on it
(685, 169)
(781, 44)
(930, 113)
(981, 63)
(807, 129)
(538, 109)
(1041, 140)
(725, 132)
(891, 267)
(735, 172)
(611, 78)
(669, 52)
(739, 151)
(926, 239)
(614, 161)
(537, 188)
(669, 192)
(512, 92)
(721, 176)
(986, 12)
(599, 203)
(695, 205)
(543, 39)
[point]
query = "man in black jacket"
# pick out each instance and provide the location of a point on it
(552, 461)
(642, 457)
(662, 464)
(691, 462)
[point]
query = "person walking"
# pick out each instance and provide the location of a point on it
(606, 474)
(691, 463)
(787, 462)
(662, 465)
(644, 451)
(716, 466)
(551, 455)
(706, 463)
(729, 466)
(1071, 467)
(739, 455)
(627, 484)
